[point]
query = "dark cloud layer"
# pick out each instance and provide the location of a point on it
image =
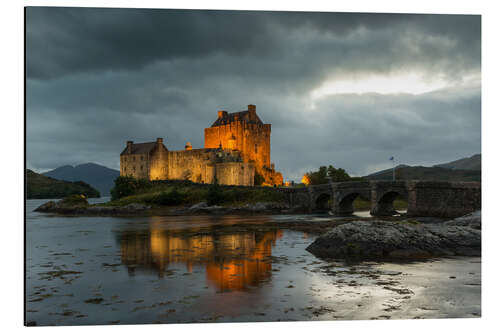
(98, 77)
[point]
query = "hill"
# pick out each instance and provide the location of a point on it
(41, 187)
(468, 163)
(98, 176)
(465, 169)
(383, 173)
(427, 173)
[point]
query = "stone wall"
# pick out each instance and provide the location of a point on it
(235, 173)
(202, 165)
(252, 140)
(246, 149)
(158, 163)
(443, 199)
(135, 165)
(195, 165)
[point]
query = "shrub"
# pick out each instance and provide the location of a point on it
(215, 195)
(75, 200)
(258, 179)
(125, 186)
(173, 197)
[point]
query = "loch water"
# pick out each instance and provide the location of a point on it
(138, 270)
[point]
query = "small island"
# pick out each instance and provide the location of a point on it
(140, 197)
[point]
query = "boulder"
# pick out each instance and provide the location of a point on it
(400, 240)
(472, 220)
(136, 207)
(197, 207)
(265, 207)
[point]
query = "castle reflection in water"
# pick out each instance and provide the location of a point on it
(232, 261)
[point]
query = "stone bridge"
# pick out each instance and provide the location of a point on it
(425, 198)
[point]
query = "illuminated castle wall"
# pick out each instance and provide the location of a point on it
(237, 145)
(244, 131)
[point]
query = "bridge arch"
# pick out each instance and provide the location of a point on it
(383, 201)
(344, 203)
(323, 202)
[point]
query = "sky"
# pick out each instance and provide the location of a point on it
(343, 89)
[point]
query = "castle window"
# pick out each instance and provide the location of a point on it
(141, 167)
(133, 158)
(125, 158)
(142, 158)
(256, 148)
(134, 168)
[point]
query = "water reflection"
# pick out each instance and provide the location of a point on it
(232, 261)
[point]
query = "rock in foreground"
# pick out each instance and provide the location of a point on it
(400, 240)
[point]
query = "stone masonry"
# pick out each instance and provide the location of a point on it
(237, 146)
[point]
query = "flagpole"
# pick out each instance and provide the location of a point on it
(393, 170)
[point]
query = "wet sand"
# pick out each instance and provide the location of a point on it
(108, 270)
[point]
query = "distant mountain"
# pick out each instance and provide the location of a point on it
(98, 176)
(468, 163)
(466, 169)
(427, 173)
(41, 187)
(383, 172)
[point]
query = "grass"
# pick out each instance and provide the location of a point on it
(160, 194)
(360, 204)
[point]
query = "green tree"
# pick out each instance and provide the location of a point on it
(338, 175)
(125, 186)
(258, 179)
(324, 174)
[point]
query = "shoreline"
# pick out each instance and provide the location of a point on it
(346, 238)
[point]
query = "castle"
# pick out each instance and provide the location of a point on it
(237, 152)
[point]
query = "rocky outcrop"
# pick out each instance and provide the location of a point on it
(60, 207)
(401, 240)
(472, 220)
(256, 208)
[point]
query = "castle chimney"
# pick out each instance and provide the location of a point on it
(221, 114)
(129, 146)
(188, 146)
(159, 140)
(252, 110)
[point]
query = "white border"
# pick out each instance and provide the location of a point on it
(12, 21)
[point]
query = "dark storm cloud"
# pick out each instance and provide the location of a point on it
(64, 41)
(98, 77)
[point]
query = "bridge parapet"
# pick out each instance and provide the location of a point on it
(425, 198)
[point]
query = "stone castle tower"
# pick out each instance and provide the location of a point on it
(237, 147)
(244, 131)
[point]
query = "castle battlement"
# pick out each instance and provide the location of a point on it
(237, 147)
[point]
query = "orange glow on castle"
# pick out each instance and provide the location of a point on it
(237, 151)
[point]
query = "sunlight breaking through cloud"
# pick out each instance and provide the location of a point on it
(409, 83)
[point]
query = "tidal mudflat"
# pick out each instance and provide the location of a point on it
(181, 269)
